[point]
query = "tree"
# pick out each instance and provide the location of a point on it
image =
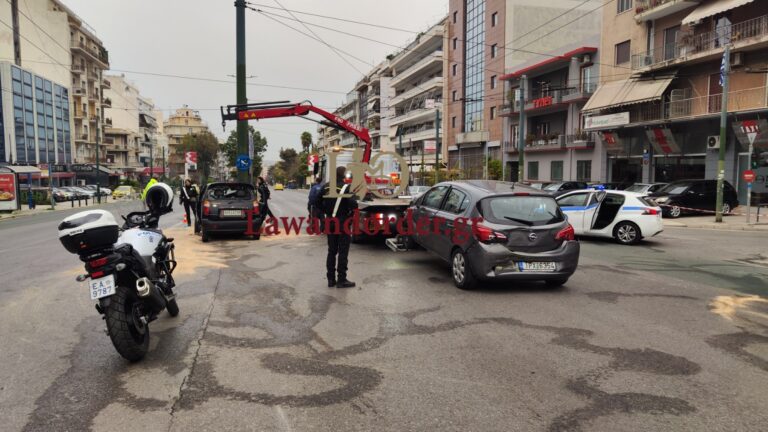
(276, 173)
(495, 171)
(306, 141)
(259, 147)
(289, 163)
(206, 145)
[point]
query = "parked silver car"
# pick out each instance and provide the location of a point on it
(496, 231)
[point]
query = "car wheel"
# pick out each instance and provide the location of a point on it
(206, 237)
(675, 212)
(627, 233)
(726, 208)
(462, 273)
(554, 283)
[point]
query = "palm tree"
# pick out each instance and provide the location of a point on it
(306, 141)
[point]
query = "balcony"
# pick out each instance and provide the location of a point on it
(106, 84)
(580, 141)
(109, 141)
(99, 55)
(420, 134)
(435, 58)
(649, 10)
(106, 103)
(108, 121)
(421, 88)
(413, 115)
(78, 91)
(701, 106)
(576, 94)
(704, 46)
(543, 143)
(79, 114)
(545, 101)
(78, 69)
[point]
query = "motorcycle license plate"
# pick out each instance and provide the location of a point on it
(102, 287)
(537, 266)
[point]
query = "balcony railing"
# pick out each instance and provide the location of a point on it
(710, 105)
(106, 84)
(106, 103)
(580, 140)
(691, 45)
(98, 54)
(545, 142)
(646, 10)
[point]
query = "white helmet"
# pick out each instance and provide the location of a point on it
(159, 198)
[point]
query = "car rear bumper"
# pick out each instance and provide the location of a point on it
(496, 262)
(229, 226)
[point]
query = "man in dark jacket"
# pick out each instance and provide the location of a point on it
(314, 192)
(188, 197)
(337, 211)
(263, 189)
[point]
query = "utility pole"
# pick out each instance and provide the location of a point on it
(16, 41)
(521, 132)
(98, 163)
(749, 184)
(242, 126)
(438, 147)
(163, 176)
(723, 135)
(151, 160)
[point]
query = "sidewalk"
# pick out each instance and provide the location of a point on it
(45, 208)
(735, 222)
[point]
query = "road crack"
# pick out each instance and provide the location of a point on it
(195, 356)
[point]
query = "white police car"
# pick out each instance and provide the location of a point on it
(625, 216)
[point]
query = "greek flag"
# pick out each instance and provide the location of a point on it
(722, 70)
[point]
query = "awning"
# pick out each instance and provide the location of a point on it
(23, 169)
(713, 7)
(627, 92)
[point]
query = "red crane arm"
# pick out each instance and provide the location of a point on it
(256, 112)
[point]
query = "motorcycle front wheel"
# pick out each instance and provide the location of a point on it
(129, 334)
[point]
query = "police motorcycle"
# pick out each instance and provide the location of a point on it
(129, 269)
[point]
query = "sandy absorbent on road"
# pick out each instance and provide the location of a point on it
(192, 254)
(730, 307)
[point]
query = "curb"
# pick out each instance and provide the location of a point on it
(752, 228)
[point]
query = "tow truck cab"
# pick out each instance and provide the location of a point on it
(378, 216)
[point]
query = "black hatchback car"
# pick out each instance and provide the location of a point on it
(496, 231)
(688, 196)
(557, 189)
(225, 208)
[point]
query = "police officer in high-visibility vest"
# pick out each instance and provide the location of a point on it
(337, 210)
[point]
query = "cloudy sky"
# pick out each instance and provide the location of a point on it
(196, 38)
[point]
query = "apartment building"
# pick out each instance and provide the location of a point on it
(417, 98)
(185, 121)
(658, 107)
(89, 59)
(488, 39)
(374, 94)
(121, 132)
(556, 148)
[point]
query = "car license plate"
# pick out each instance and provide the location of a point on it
(535, 266)
(102, 287)
(232, 213)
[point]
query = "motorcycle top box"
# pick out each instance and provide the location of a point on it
(87, 231)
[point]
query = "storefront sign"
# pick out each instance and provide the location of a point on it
(753, 132)
(760, 184)
(662, 140)
(58, 168)
(606, 121)
(542, 102)
(430, 146)
(79, 168)
(8, 197)
(611, 142)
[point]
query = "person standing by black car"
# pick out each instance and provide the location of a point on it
(188, 197)
(337, 211)
(263, 189)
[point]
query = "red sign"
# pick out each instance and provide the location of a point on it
(8, 192)
(663, 140)
(748, 176)
(191, 158)
(542, 102)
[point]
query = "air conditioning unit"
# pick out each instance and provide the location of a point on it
(738, 59)
(587, 59)
(713, 142)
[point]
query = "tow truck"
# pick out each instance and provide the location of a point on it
(381, 214)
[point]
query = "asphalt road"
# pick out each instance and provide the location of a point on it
(667, 335)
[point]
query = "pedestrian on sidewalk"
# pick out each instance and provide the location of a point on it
(337, 210)
(188, 198)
